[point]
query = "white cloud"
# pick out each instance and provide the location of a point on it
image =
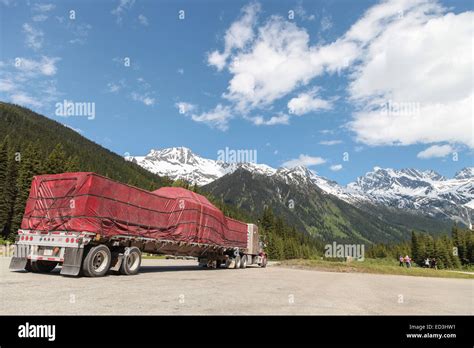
(39, 18)
(336, 167)
(326, 23)
(436, 151)
(30, 82)
(277, 60)
(406, 51)
(25, 99)
(41, 11)
(237, 36)
(217, 117)
(414, 52)
(185, 108)
(272, 121)
(304, 160)
(122, 7)
(330, 142)
(34, 37)
(44, 66)
(303, 14)
(114, 87)
(307, 102)
(43, 7)
(143, 20)
(144, 98)
(6, 85)
(80, 31)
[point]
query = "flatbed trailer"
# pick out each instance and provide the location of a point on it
(91, 225)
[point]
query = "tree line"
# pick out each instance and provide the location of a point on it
(17, 168)
(284, 241)
(450, 251)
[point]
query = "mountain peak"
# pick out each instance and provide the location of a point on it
(465, 173)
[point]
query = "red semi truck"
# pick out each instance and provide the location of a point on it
(91, 225)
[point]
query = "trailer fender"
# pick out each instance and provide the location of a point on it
(72, 261)
(20, 257)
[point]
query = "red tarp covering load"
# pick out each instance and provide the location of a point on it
(92, 203)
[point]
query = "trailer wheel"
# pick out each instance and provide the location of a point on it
(243, 262)
(131, 262)
(97, 261)
(42, 266)
(238, 262)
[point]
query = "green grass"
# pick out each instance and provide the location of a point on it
(378, 266)
(152, 256)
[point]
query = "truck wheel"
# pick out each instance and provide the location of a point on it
(237, 262)
(131, 262)
(41, 266)
(97, 261)
(243, 262)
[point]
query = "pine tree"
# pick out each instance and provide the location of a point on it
(30, 165)
(56, 161)
(9, 195)
(4, 206)
(414, 246)
(72, 164)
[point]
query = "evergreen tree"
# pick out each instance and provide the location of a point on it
(72, 164)
(7, 202)
(4, 206)
(30, 165)
(414, 246)
(56, 161)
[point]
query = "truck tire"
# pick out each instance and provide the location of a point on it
(42, 266)
(237, 262)
(131, 262)
(243, 262)
(97, 261)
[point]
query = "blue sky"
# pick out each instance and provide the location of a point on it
(340, 86)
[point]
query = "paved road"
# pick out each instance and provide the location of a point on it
(180, 287)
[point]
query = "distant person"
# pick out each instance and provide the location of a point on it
(408, 261)
(433, 263)
(401, 261)
(427, 262)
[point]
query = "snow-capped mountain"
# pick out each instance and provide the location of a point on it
(182, 163)
(425, 191)
(422, 191)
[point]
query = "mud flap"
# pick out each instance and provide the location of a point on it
(72, 261)
(20, 257)
(116, 262)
